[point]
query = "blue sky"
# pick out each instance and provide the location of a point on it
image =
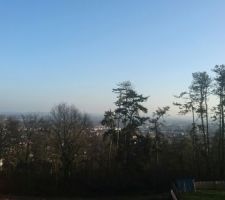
(76, 51)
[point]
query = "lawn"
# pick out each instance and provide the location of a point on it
(205, 194)
(144, 197)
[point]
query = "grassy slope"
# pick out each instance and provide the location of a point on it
(152, 197)
(205, 195)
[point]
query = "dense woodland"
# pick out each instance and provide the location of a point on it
(61, 153)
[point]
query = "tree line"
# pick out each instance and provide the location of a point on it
(61, 153)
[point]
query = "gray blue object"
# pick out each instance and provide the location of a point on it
(185, 185)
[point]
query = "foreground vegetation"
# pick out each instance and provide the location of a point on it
(205, 195)
(61, 153)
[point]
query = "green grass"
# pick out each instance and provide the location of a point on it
(205, 194)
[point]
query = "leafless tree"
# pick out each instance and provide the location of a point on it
(68, 128)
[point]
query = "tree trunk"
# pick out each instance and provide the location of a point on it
(222, 139)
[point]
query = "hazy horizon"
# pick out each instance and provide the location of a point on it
(78, 51)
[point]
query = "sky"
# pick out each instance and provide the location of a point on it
(77, 51)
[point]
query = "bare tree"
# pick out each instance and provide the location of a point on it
(68, 126)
